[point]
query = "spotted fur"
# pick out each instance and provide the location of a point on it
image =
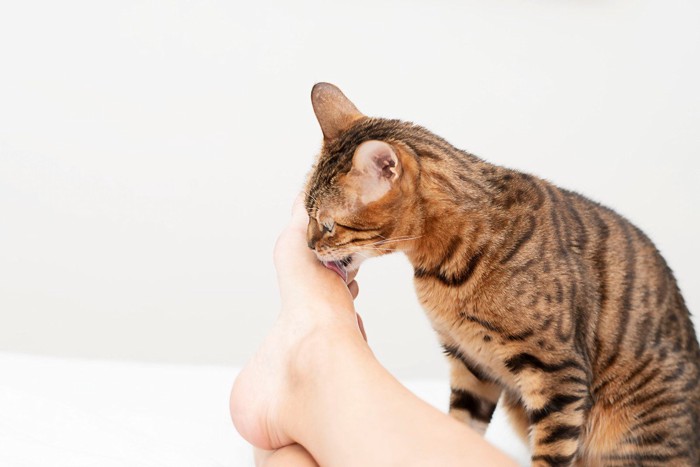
(540, 296)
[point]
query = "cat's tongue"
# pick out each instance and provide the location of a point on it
(338, 268)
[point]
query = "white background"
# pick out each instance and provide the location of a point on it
(149, 151)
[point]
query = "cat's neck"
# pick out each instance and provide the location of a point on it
(457, 202)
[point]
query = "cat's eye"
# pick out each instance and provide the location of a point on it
(328, 226)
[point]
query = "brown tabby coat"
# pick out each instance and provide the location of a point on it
(540, 296)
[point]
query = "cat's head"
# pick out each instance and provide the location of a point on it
(360, 195)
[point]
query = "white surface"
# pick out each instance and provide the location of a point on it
(69, 413)
(74, 413)
(149, 151)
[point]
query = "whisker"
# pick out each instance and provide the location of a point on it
(394, 240)
(376, 245)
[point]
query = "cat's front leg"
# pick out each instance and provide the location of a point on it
(557, 399)
(473, 394)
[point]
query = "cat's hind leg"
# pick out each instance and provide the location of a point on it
(556, 397)
(473, 395)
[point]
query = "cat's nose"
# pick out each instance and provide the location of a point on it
(313, 234)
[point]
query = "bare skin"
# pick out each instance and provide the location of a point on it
(314, 394)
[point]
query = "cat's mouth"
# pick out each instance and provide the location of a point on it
(339, 266)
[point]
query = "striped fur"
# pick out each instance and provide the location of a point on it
(537, 293)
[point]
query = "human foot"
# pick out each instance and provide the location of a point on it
(316, 308)
(260, 390)
(266, 386)
(293, 454)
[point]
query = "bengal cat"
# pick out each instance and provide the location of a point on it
(545, 299)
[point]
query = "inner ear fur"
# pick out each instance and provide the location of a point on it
(375, 169)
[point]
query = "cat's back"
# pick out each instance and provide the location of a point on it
(631, 292)
(587, 284)
(639, 336)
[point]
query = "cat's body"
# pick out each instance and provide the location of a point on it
(538, 295)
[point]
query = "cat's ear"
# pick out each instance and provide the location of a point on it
(334, 111)
(375, 168)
